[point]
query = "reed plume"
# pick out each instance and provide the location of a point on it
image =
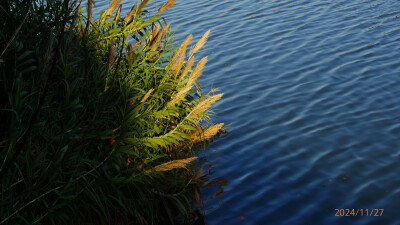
(169, 4)
(187, 68)
(179, 96)
(142, 5)
(203, 106)
(199, 44)
(130, 14)
(212, 131)
(179, 56)
(176, 164)
(158, 38)
(177, 64)
(154, 33)
(187, 40)
(197, 70)
(184, 44)
(146, 96)
(118, 12)
(208, 133)
(193, 77)
(111, 9)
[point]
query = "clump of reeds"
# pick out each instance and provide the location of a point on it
(100, 116)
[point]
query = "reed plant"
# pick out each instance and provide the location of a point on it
(100, 115)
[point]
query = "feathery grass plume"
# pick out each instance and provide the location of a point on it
(176, 164)
(111, 9)
(130, 14)
(187, 68)
(177, 64)
(176, 55)
(199, 44)
(142, 5)
(160, 36)
(179, 57)
(89, 9)
(111, 53)
(187, 40)
(179, 96)
(154, 33)
(208, 133)
(146, 96)
(118, 12)
(203, 106)
(197, 70)
(184, 44)
(193, 77)
(169, 4)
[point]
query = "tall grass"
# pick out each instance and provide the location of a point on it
(99, 117)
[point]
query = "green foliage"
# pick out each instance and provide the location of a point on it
(92, 111)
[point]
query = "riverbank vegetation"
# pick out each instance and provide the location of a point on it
(100, 115)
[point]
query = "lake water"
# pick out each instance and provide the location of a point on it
(312, 89)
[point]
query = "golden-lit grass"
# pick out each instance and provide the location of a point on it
(206, 134)
(175, 164)
(111, 9)
(166, 6)
(199, 44)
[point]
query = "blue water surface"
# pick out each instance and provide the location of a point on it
(312, 92)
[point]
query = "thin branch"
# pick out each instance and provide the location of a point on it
(16, 32)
